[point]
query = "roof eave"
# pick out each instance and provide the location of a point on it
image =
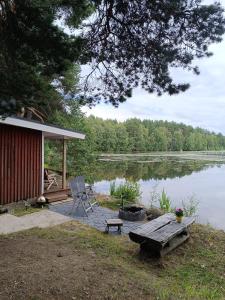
(48, 131)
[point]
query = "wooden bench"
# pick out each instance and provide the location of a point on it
(162, 235)
(113, 222)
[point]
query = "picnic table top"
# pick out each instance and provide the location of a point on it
(160, 230)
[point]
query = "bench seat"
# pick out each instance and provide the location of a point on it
(112, 223)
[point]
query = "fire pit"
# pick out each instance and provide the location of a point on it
(132, 213)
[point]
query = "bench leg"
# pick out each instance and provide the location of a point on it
(107, 229)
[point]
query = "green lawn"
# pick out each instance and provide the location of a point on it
(195, 270)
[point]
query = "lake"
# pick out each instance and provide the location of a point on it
(182, 175)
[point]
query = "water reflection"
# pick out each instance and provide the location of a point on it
(131, 170)
(180, 178)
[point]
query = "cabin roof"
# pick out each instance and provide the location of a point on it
(49, 131)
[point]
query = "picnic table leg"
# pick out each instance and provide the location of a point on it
(175, 242)
(147, 249)
(119, 229)
(107, 229)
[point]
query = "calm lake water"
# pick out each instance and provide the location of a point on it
(181, 176)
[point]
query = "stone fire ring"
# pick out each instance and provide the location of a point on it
(132, 213)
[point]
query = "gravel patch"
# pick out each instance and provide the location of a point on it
(95, 218)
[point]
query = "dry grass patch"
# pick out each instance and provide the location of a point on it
(108, 202)
(22, 210)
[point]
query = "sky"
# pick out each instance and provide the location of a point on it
(202, 105)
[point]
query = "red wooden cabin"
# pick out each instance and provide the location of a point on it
(22, 157)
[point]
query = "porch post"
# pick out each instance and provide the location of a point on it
(42, 162)
(64, 165)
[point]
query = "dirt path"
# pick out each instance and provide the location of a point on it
(42, 219)
(35, 268)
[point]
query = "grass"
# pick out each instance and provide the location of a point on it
(114, 204)
(193, 271)
(22, 211)
(109, 202)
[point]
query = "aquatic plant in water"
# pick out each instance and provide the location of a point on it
(190, 206)
(164, 202)
(154, 196)
(112, 188)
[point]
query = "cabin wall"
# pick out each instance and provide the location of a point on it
(20, 163)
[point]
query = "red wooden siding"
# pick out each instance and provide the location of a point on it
(20, 163)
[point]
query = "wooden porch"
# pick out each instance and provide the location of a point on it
(56, 193)
(22, 159)
(59, 190)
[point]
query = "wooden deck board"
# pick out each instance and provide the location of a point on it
(57, 195)
(167, 232)
(142, 232)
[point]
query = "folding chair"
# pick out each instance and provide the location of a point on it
(81, 194)
(50, 179)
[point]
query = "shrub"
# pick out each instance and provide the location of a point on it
(129, 191)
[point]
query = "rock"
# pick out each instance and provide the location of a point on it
(3, 210)
(41, 200)
(59, 254)
(153, 213)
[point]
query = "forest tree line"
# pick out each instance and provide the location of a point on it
(134, 135)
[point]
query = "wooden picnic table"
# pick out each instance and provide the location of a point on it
(163, 234)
